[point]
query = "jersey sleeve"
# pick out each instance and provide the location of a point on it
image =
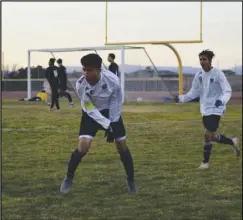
(193, 93)
(226, 88)
(79, 87)
(89, 107)
(115, 104)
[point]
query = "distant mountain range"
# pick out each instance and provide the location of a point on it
(186, 69)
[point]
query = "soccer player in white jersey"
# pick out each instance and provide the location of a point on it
(213, 88)
(101, 100)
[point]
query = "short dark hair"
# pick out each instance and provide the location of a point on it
(52, 60)
(112, 55)
(59, 61)
(208, 53)
(91, 60)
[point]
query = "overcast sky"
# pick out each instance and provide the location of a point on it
(59, 25)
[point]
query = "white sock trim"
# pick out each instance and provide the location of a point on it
(120, 138)
(86, 136)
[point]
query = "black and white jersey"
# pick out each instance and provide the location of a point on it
(209, 86)
(106, 94)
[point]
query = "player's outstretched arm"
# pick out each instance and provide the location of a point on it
(193, 93)
(226, 88)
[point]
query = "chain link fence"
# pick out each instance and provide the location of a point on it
(147, 89)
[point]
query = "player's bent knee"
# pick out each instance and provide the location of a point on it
(84, 143)
(208, 135)
(121, 145)
(121, 139)
(214, 136)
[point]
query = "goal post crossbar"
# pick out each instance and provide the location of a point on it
(73, 49)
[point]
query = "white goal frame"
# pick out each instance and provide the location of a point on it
(75, 49)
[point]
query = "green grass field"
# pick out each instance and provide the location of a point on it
(166, 141)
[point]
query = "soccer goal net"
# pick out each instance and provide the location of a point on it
(141, 79)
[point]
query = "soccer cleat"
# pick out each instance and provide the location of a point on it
(66, 184)
(71, 105)
(204, 166)
(236, 146)
(58, 110)
(131, 186)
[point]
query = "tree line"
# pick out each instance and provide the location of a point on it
(21, 73)
(38, 72)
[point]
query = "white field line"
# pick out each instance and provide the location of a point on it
(28, 129)
(185, 121)
(132, 123)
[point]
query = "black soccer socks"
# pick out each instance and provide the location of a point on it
(207, 151)
(74, 162)
(126, 159)
(221, 139)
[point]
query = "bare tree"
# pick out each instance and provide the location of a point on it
(6, 68)
(5, 71)
(14, 67)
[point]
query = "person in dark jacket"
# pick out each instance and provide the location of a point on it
(62, 76)
(113, 67)
(51, 75)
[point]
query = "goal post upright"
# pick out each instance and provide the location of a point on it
(166, 43)
(180, 72)
(29, 76)
(122, 69)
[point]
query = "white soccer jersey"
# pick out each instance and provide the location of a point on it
(209, 86)
(106, 94)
